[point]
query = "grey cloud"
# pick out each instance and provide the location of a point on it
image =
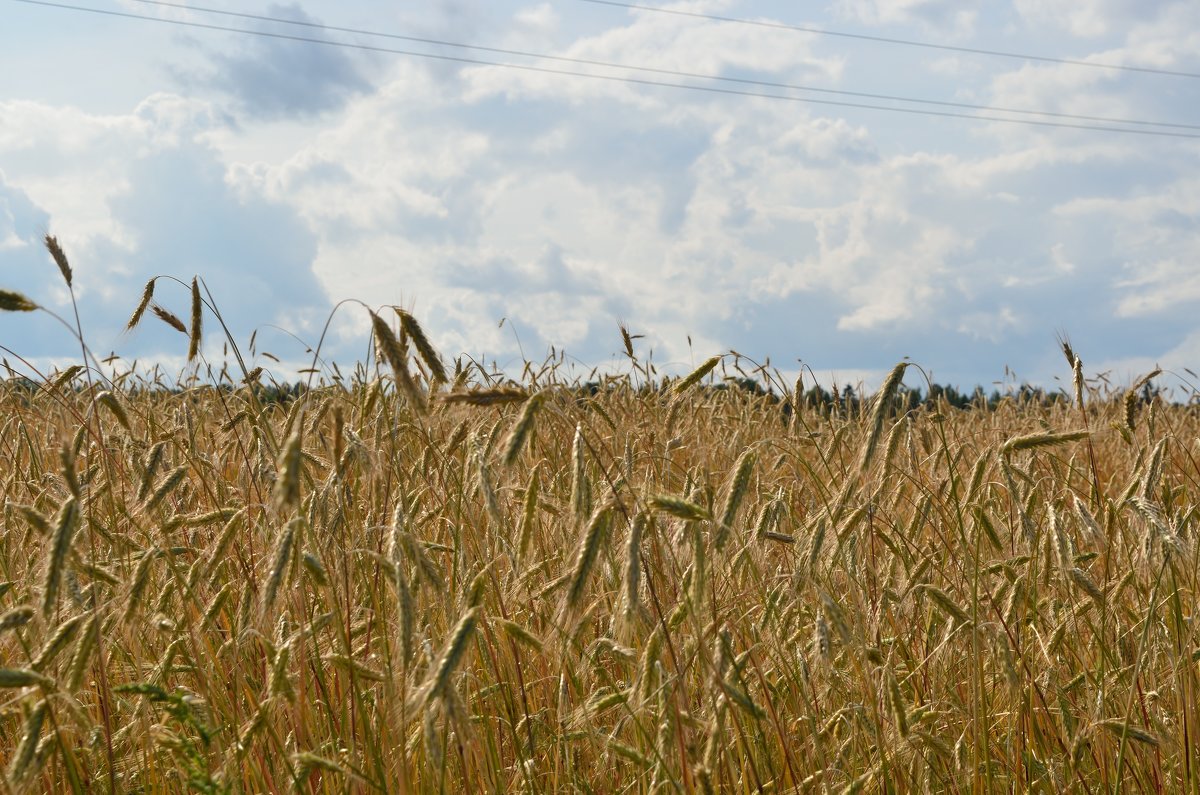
(22, 225)
(25, 268)
(255, 255)
(276, 78)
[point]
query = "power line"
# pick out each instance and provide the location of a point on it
(608, 78)
(888, 40)
(670, 72)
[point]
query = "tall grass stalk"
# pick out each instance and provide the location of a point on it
(348, 586)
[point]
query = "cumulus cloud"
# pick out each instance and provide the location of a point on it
(162, 207)
(750, 224)
(1088, 18)
(23, 265)
(943, 15)
(659, 42)
(562, 205)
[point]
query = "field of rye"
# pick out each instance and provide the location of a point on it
(417, 578)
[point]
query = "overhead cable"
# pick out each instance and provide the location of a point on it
(668, 72)
(888, 40)
(619, 79)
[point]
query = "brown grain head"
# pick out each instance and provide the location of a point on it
(60, 258)
(169, 318)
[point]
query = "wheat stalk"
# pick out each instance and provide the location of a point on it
(169, 318)
(22, 764)
(581, 496)
(522, 428)
(585, 556)
(879, 413)
(680, 508)
(697, 375)
(438, 684)
(11, 301)
(195, 329)
(140, 309)
(394, 354)
(16, 617)
(60, 545)
(279, 562)
(59, 257)
(738, 486)
(428, 355)
(287, 479)
(1037, 440)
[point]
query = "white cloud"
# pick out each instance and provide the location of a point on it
(659, 42)
(942, 15)
(140, 194)
(541, 18)
(1088, 18)
(562, 205)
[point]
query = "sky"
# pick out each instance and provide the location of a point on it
(516, 212)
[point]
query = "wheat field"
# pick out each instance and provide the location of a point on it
(417, 578)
